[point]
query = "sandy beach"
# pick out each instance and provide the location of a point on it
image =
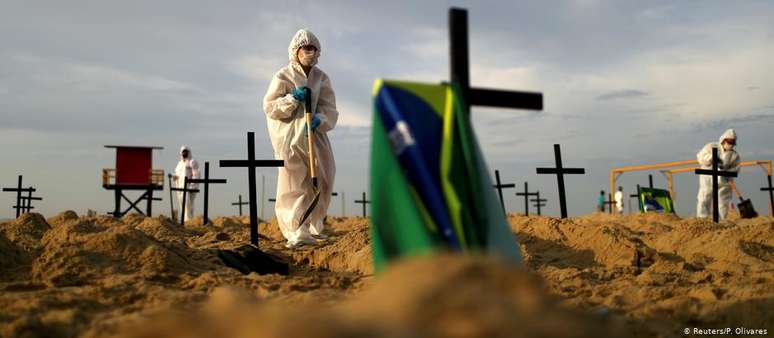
(597, 275)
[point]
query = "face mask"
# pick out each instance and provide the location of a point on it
(727, 147)
(307, 58)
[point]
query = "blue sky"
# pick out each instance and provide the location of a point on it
(624, 82)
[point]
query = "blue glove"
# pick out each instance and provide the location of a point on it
(315, 123)
(299, 93)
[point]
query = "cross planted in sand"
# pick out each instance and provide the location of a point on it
(526, 195)
(206, 181)
(23, 203)
(538, 202)
(251, 164)
(500, 186)
(240, 204)
(363, 201)
(637, 196)
(715, 173)
(460, 74)
(560, 171)
(185, 191)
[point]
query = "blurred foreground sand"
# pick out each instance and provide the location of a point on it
(591, 276)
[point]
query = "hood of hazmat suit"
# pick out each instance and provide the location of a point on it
(186, 167)
(730, 158)
(285, 122)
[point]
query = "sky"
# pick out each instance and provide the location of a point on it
(624, 83)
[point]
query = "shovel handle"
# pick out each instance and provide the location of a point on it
(309, 133)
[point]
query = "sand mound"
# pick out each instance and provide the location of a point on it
(83, 252)
(62, 217)
(26, 231)
(692, 272)
(12, 258)
(344, 251)
(580, 243)
(164, 229)
(443, 296)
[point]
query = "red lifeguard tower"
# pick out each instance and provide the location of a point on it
(133, 171)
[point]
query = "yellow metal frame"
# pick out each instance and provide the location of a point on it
(681, 167)
(616, 172)
(763, 164)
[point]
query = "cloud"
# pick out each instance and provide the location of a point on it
(735, 121)
(622, 94)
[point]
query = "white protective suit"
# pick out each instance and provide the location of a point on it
(285, 120)
(619, 204)
(186, 168)
(731, 161)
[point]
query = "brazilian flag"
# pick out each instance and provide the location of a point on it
(656, 200)
(430, 187)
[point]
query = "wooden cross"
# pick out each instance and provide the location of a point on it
(27, 201)
(637, 196)
(207, 181)
(526, 195)
(560, 171)
(251, 164)
(364, 201)
(171, 201)
(770, 189)
(539, 202)
(460, 73)
(610, 203)
(185, 191)
(240, 204)
(499, 186)
(19, 190)
(715, 173)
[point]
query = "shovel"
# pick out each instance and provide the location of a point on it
(745, 206)
(312, 158)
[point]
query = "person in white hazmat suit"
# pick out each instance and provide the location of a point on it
(619, 202)
(728, 160)
(284, 108)
(186, 167)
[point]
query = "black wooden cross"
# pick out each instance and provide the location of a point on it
(715, 173)
(610, 203)
(27, 201)
(499, 186)
(364, 201)
(251, 164)
(185, 191)
(560, 171)
(19, 190)
(240, 204)
(460, 73)
(526, 195)
(206, 181)
(637, 196)
(650, 181)
(171, 201)
(539, 202)
(770, 189)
